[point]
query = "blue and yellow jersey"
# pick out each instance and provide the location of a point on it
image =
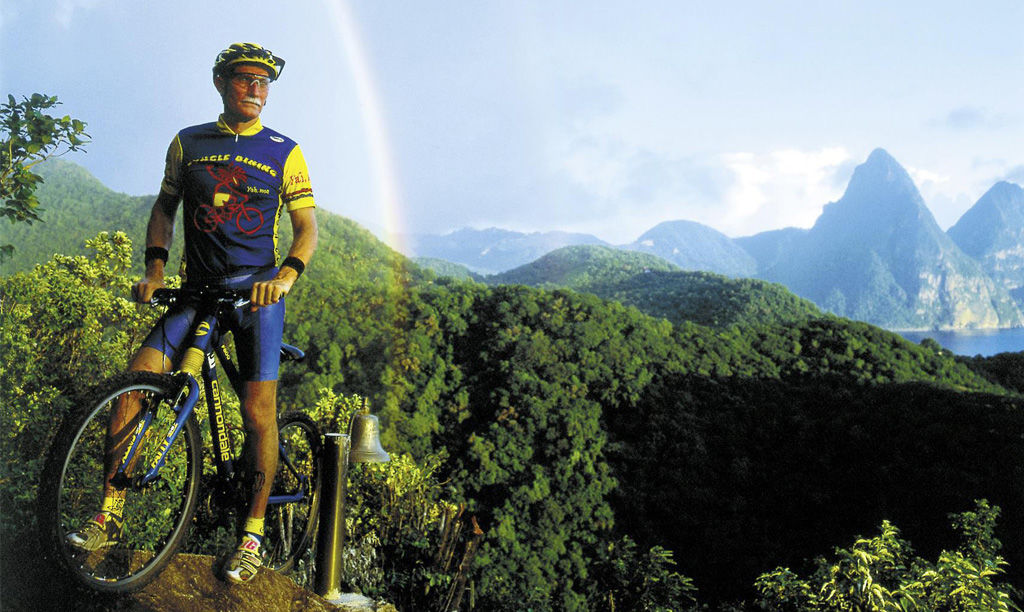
(234, 188)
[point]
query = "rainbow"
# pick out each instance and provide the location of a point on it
(374, 125)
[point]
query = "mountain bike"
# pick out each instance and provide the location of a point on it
(158, 461)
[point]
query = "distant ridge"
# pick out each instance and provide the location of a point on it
(580, 266)
(769, 248)
(877, 255)
(694, 246)
(992, 231)
(659, 288)
(491, 250)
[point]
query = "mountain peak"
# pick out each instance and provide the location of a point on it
(879, 189)
(881, 156)
(992, 230)
(694, 246)
(1006, 189)
(880, 167)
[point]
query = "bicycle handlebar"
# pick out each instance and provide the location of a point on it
(217, 296)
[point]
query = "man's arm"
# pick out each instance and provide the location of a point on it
(304, 241)
(159, 233)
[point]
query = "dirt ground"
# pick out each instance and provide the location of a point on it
(190, 583)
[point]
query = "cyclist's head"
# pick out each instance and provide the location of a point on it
(239, 54)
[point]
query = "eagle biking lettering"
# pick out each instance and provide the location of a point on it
(228, 203)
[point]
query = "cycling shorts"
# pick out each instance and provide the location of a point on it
(258, 334)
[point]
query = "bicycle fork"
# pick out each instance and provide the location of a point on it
(183, 406)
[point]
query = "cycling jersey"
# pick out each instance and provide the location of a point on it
(234, 188)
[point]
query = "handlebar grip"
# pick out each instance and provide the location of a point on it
(164, 296)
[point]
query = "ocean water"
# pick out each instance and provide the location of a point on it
(985, 342)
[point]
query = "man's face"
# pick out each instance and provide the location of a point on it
(244, 92)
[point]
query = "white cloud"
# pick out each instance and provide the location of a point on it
(1015, 175)
(971, 118)
(950, 194)
(922, 177)
(65, 12)
(781, 188)
(621, 190)
(625, 190)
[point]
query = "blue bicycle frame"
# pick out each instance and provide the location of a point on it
(200, 359)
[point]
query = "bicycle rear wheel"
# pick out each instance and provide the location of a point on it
(290, 525)
(156, 516)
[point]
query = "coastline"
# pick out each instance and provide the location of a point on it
(971, 342)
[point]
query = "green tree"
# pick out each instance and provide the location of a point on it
(881, 573)
(631, 579)
(30, 136)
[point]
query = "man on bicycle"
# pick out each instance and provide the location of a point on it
(234, 177)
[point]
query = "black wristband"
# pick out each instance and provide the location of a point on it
(295, 264)
(155, 252)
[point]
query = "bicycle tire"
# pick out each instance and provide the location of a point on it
(156, 517)
(289, 528)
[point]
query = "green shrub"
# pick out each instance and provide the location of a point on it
(405, 542)
(881, 573)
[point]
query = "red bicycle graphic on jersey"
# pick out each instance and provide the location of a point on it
(228, 203)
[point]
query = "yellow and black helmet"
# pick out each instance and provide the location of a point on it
(248, 53)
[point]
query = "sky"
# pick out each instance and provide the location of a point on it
(605, 117)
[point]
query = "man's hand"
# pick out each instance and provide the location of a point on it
(142, 291)
(269, 292)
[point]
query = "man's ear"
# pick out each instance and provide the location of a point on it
(219, 83)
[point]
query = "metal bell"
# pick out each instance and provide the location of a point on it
(365, 440)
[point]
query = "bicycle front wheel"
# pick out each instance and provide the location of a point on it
(156, 515)
(291, 518)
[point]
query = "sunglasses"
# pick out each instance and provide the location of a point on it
(247, 80)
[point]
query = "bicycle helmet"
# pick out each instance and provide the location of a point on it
(248, 53)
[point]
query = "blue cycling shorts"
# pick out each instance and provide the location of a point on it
(258, 335)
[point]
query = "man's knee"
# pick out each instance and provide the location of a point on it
(149, 359)
(259, 406)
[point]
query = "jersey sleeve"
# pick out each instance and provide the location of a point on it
(172, 169)
(296, 190)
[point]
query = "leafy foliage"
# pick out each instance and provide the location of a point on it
(411, 546)
(634, 580)
(881, 573)
(63, 317)
(75, 206)
(1004, 369)
(29, 136)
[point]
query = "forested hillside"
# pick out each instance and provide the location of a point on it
(571, 426)
(660, 289)
(74, 207)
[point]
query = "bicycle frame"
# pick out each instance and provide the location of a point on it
(201, 359)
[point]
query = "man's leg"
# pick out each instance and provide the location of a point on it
(259, 416)
(122, 419)
(105, 527)
(258, 345)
